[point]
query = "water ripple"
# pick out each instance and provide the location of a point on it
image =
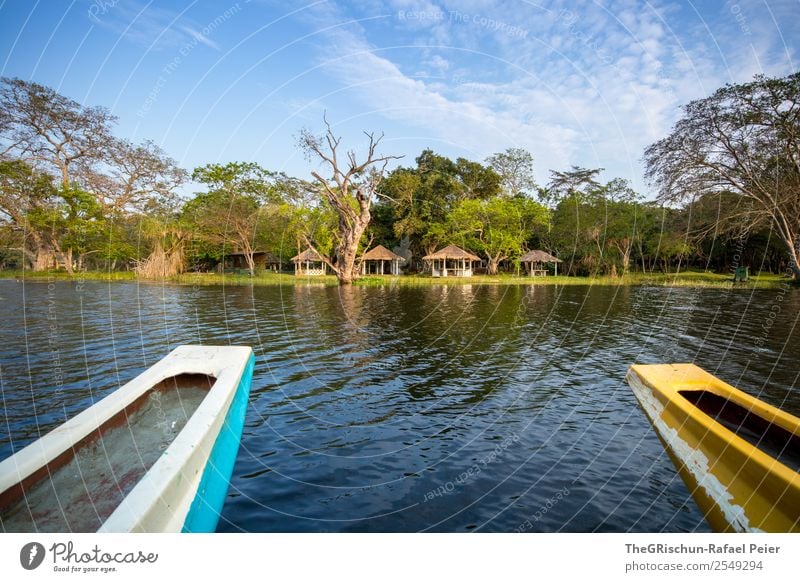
(406, 409)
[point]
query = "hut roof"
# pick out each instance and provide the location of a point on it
(307, 255)
(270, 258)
(538, 257)
(381, 253)
(451, 252)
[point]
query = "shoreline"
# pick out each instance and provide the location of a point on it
(685, 279)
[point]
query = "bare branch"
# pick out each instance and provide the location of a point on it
(347, 188)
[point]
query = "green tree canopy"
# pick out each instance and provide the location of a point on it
(744, 138)
(498, 227)
(515, 168)
(423, 197)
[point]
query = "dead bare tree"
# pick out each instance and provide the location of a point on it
(349, 191)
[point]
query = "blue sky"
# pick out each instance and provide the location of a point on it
(584, 83)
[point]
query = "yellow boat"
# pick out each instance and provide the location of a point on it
(737, 455)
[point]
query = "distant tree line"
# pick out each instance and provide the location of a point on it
(74, 196)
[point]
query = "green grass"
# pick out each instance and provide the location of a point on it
(693, 279)
(267, 278)
(712, 280)
(63, 275)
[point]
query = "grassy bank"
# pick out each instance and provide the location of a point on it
(690, 279)
(64, 276)
(693, 279)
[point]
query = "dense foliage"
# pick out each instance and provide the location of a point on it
(75, 197)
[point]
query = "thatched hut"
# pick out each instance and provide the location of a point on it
(308, 263)
(380, 261)
(534, 262)
(451, 261)
(262, 260)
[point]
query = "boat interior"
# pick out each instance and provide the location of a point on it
(772, 439)
(94, 476)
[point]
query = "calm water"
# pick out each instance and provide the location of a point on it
(447, 408)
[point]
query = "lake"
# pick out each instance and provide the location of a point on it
(436, 408)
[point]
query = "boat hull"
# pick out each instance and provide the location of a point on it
(205, 508)
(185, 487)
(737, 482)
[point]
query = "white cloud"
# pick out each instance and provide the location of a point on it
(152, 27)
(200, 37)
(438, 64)
(590, 86)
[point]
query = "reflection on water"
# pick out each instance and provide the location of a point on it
(443, 408)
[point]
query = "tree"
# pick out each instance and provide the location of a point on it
(130, 175)
(576, 181)
(576, 221)
(423, 197)
(294, 217)
(43, 127)
(622, 210)
(515, 168)
(316, 226)
(475, 180)
(229, 212)
(28, 202)
(572, 234)
(745, 139)
(349, 191)
(226, 220)
(497, 227)
(167, 237)
(52, 132)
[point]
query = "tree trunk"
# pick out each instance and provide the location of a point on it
(251, 263)
(492, 264)
(42, 254)
(44, 258)
(66, 260)
(347, 251)
(347, 259)
(791, 248)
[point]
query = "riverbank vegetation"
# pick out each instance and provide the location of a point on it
(76, 198)
(693, 279)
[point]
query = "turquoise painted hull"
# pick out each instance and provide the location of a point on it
(207, 505)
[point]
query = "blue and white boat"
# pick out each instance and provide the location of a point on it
(156, 455)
